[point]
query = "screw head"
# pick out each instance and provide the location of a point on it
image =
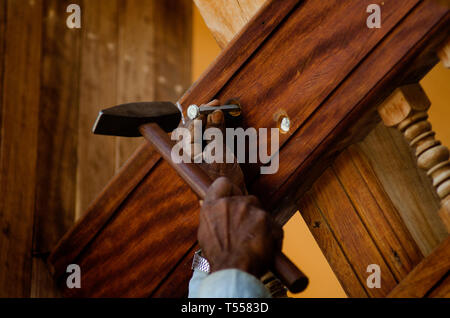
(193, 111)
(285, 124)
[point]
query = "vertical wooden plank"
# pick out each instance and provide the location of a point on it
(20, 109)
(98, 86)
(173, 20)
(409, 189)
(136, 66)
(350, 232)
(333, 252)
(57, 148)
(391, 238)
(3, 9)
(58, 126)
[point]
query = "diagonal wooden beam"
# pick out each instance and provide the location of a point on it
(225, 18)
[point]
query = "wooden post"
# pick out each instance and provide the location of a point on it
(406, 109)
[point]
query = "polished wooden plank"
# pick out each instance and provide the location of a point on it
(426, 275)
(350, 232)
(409, 188)
(56, 164)
(19, 144)
(325, 238)
(355, 97)
(382, 221)
(237, 52)
(103, 208)
(161, 218)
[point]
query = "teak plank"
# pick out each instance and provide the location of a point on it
(297, 81)
(387, 231)
(57, 148)
(19, 144)
(442, 290)
(161, 218)
(157, 68)
(330, 247)
(350, 231)
(409, 188)
(2, 55)
(176, 283)
(427, 274)
(96, 154)
(237, 52)
(136, 64)
(58, 126)
(103, 208)
(374, 78)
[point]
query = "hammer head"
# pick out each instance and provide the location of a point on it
(124, 120)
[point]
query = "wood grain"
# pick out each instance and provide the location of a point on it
(341, 265)
(102, 209)
(176, 284)
(409, 189)
(19, 145)
(351, 233)
(427, 274)
(442, 290)
(136, 80)
(162, 218)
(351, 99)
(58, 125)
(57, 147)
(237, 52)
(377, 213)
(98, 87)
(303, 76)
(225, 18)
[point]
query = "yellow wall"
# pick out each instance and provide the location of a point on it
(299, 243)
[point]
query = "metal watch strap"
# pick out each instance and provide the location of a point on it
(200, 263)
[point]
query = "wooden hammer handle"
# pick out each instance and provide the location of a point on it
(292, 277)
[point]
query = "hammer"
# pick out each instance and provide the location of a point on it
(154, 120)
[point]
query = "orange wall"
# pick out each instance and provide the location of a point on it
(299, 243)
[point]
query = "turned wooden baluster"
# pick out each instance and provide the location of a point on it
(406, 109)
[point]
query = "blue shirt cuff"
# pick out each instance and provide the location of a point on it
(227, 283)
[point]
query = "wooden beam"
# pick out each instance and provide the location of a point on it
(225, 18)
(19, 143)
(426, 275)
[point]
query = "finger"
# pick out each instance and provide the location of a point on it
(214, 102)
(221, 188)
(250, 200)
(216, 120)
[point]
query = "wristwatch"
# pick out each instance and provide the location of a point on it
(200, 263)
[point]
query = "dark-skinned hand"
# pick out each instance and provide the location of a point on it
(234, 231)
